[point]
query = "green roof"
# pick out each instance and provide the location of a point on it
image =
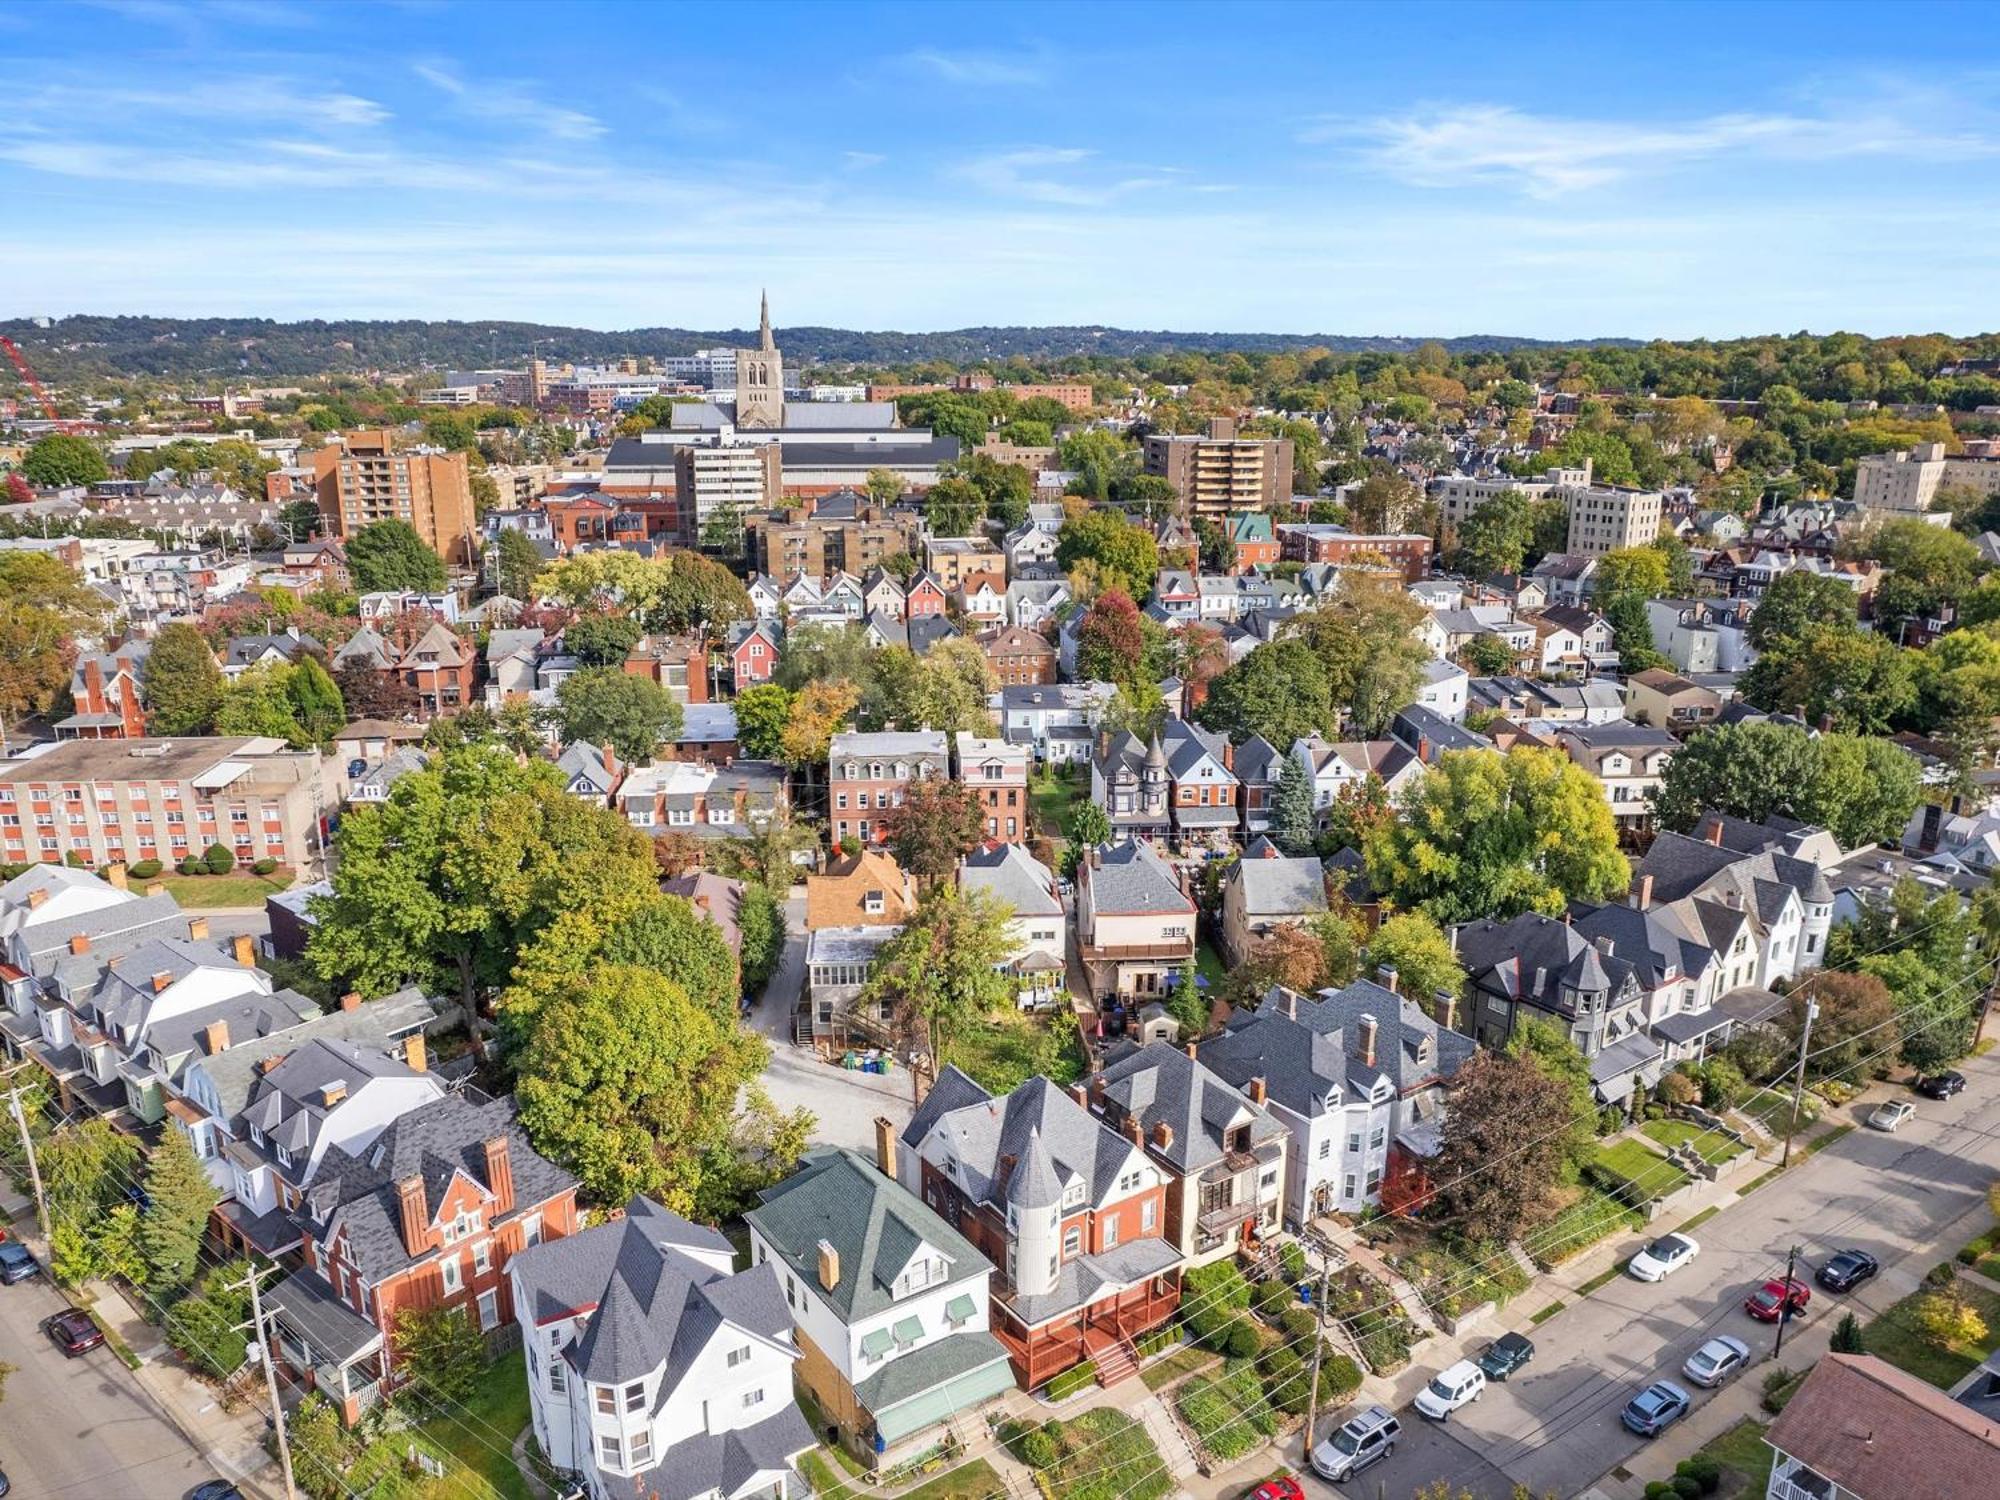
(929, 1384)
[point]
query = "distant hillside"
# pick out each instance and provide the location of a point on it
(189, 348)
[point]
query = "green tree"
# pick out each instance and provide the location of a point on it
(1417, 949)
(182, 682)
(1799, 600)
(760, 921)
(1089, 826)
(601, 638)
(1294, 824)
(171, 1231)
(1126, 556)
(1847, 1337)
(517, 566)
(1486, 834)
(43, 608)
(317, 707)
(1280, 691)
(1861, 683)
(1631, 631)
(936, 825)
(628, 1083)
(209, 1327)
(1495, 538)
(259, 702)
(941, 975)
(386, 555)
(697, 594)
(1365, 639)
(1548, 1046)
(62, 459)
(761, 712)
(884, 486)
(606, 706)
(1632, 570)
(669, 936)
(441, 1352)
(947, 690)
(1859, 788)
(953, 507)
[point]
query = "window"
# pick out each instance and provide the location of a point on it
(1325, 1150)
(1149, 1213)
(489, 1310)
(482, 1256)
(1377, 1137)
(531, 1230)
(739, 1356)
(1354, 1140)
(607, 1400)
(753, 1398)
(635, 1396)
(1072, 1242)
(611, 1452)
(448, 1268)
(642, 1448)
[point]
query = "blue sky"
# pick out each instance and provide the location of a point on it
(1560, 171)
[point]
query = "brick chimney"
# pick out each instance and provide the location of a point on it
(156, 888)
(500, 1175)
(414, 1215)
(1642, 892)
(829, 1265)
(37, 896)
(1189, 1049)
(245, 948)
(610, 764)
(1097, 1087)
(1006, 1172)
(1388, 977)
(333, 1093)
(1447, 1010)
(216, 1034)
(1259, 1091)
(1364, 1040)
(198, 929)
(885, 1146)
(115, 875)
(1292, 1004)
(350, 1001)
(1080, 1094)
(1130, 1125)
(79, 942)
(161, 981)
(413, 1052)
(93, 685)
(1163, 1135)
(1715, 833)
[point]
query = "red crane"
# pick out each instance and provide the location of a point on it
(20, 362)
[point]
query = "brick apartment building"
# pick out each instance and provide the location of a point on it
(997, 772)
(819, 545)
(1020, 658)
(361, 478)
(1408, 553)
(1216, 472)
(866, 774)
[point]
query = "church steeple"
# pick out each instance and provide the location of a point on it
(764, 322)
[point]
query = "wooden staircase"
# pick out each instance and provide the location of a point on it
(1117, 1360)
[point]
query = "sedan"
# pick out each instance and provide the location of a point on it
(1286, 1488)
(1505, 1355)
(1780, 1297)
(1890, 1116)
(1716, 1360)
(16, 1264)
(1941, 1085)
(1847, 1270)
(1663, 1257)
(74, 1332)
(1655, 1409)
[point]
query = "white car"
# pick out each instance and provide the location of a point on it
(1890, 1116)
(1716, 1360)
(1450, 1389)
(1663, 1257)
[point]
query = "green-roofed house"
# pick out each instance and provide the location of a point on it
(888, 1301)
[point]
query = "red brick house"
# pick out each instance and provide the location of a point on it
(439, 668)
(1019, 657)
(866, 775)
(106, 692)
(1071, 1211)
(317, 564)
(926, 596)
(753, 656)
(424, 1215)
(678, 663)
(578, 518)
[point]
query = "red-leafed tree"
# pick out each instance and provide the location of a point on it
(937, 825)
(1111, 642)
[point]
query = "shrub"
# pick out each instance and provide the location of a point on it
(145, 869)
(1292, 1257)
(1685, 1487)
(1158, 1341)
(264, 866)
(1239, 1339)
(1338, 1376)
(1720, 1081)
(76, 859)
(1297, 1323)
(1660, 1489)
(1272, 1298)
(1227, 1411)
(1067, 1384)
(192, 866)
(1946, 1320)
(1941, 1274)
(1218, 1283)
(1678, 1090)
(218, 859)
(1037, 1447)
(1286, 1379)
(1703, 1470)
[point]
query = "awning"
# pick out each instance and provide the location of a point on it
(909, 1330)
(876, 1343)
(960, 1308)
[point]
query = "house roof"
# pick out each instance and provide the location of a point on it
(1872, 1430)
(1160, 1084)
(1280, 887)
(1130, 878)
(1014, 876)
(1051, 1139)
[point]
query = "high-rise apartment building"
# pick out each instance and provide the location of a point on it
(723, 474)
(1907, 481)
(1605, 518)
(361, 478)
(1217, 472)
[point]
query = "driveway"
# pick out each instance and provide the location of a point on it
(844, 1102)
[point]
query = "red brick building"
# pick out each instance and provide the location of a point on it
(1019, 657)
(106, 692)
(579, 518)
(1325, 543)
(866, 775)
(439, 668)
(678, 663)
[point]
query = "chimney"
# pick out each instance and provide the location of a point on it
(1642, 892)
(1715, 833)
(829, 1265)
(1080, 1094)
(1364, 1041)
(413, 1052)
(161, 981)
(1163, 1136)
(351, 1001)
(610, 763)
(37, 896)
(1130, 1125)
(414, 1214)
(1423, 749)
(1097, 1090)
(333, 1093)
(1189, 1049)
(1447, 1010)
(93, 685)
(1259, 1091)
(115, 873)
(79, 942)
(701, 900)
(245, 948)
(198, 929)
(1388, 977)
(1292, 1004)
(156, 888)
(1228, 756)
(500, 1175)
(217, 1035)
(270, 1064)
(1096, 857)
(885, 1147)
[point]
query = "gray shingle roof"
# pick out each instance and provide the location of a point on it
(1161, 1085)
(1131, 878)
(1075, 1144)
(1281, 887)
(1014, 876)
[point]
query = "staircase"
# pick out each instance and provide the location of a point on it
(1176, 1452)
(1117, 1360)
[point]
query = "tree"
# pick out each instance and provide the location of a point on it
(18, 490)
(1293, 820)
(219, 859)
(1632, 570)
(387, 555)
(942, 973)
(1417, 949)
(1856, 1012)
(43, 607)
(760, 924)
(884, 486)
(1495, 538)
(1487, 656)
(761, 712)
(1382, 504)
(818, 712)
(697, 594)
(1548, 1045)
(1366, 642)
(1799, 600)
(1504, 1146)
(1847, 1337)
(1290, 955)
(316, 704)
(937, 824)
(182, 682)
(953, 507)
(1279, 691)
(182, 1196)
(628, 1083)
(1006, 490)
(601, 638)
(947, 690)
(518, 565)
(1126, 556)
(669, 936)
(1860, 789)
(823, 654)
(1859, 682)
(1486, 834)
(606, 706)
(370, 693)
(441, 1352)
(1631, 632)
(1944, 1319)
(1089, 827)
(62, 460)
(1110, 640)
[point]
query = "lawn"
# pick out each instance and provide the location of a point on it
(479, 1435)
(1634, 1173)
(1745, 1458)
(1183, 1361)
(1713, 1146)
(1052, 797)
(1576, 1228)
(1008, 1049)
(1102, 1455)
(1208, 963)
(242, 889)
(971, 1481)
(1894, 1336)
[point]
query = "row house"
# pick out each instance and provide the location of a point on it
(1446, 632)
(287, 647)
(1182, 782)
(1030, 551)
(716, 802)
(678, 663)
(1358, 1077)
(655, 1367)
(839, 963)
(1629, 761)
(1669, 701)
(1057, 721)
(1220, 1150)
(389, 604)
(1037, 957)
(866, 775)
(1333, 768)
(1259, 766)
(753, 652)
(1570, 642)
(1444, 688)
(1703, 635)
(1037, 604)
(1566, 578)
(106, 692)
(1785, 897)
(916, 635)
(882, 593)
(1070, 1211)
(438, 667)
(316, 565)
(1135, 924)
(1019, 657)
(1859, 1428)
(997, 772)
(1596, 701)
(890, 1306)
(1264, 891)
(427, 1215)
(983, 600)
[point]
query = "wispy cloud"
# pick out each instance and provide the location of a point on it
(1547, 156)
(503, 100)
(255, 97)
(860, 161)
(1042, 174)
(978, 69)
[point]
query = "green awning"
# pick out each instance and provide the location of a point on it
(909, 1330)
(876, 1344)
(960, 1308)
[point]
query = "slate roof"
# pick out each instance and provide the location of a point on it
(1280, 887)
(873, 1223)
(1085, 1278)
(1535, 959)
(367, 648)
(1402, 1027)
(233, 1072)
(287, 1103)
(1014, 876)
(717, 1463)
(1161, 1085)
(581, 758)
(953, 1090)
(926, 631)
(1130, 878)
(1053, 1140)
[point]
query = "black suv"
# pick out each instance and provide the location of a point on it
(1941, 1085)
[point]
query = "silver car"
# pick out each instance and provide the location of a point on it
(1716, 1360)
(1891, 1116)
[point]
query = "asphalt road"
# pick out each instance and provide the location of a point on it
(81, 1429)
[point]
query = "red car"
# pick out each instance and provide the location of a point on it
(1278, 1489)
(1780, 1297)
(74, 1332)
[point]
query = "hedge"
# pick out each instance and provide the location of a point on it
(1067, 1384)
(1158, 1341)
(145, 869)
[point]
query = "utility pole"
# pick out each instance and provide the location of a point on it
(1785, 1307)
(263, 1337)
(1799, 1082)
(28, 1145)
(1319, 1344)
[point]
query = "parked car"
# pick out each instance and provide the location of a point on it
(1890, 1116)
(73, 1331)
(1655, 1409)
(1780, 1297)
(16, 1262)
(1941, 1085)
(1364, 1438)
(1716, 1360)
(6, 1484)
(1449, 1389)
(1847, 1270)
(1286, 1488)
(1505, 1355)
(1663, 1257)
(215, 1489)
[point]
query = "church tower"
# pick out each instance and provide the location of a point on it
(760, 378)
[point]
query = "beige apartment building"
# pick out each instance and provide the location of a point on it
(820, 546)
(361, 479)
(125, 801)
(1605, 518)
(1907, 481)
(1217, 472)
(720, 474)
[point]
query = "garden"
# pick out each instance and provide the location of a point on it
(1712, 1146)
(1940, 1332)
(1591, 1216)
(1452, 1279)
(1004, 1050)
(1101, 1455)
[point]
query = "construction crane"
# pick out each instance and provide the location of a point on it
(20, 363)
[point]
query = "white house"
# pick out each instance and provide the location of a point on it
(1036, 955)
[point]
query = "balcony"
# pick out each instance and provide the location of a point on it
(1119, 952)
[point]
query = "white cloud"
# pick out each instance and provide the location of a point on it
(1039, 174)
(509, 102)
(860, 161)
(978, 69)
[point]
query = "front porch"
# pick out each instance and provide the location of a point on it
(327, 1346)
(1038, 1352)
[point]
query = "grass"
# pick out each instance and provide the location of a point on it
(1699, 1219)
(1603, 1278)
(1758, 1181)
(1745, 1458)
(1208, 963)
(1165, 1371)
(1450, 1282)
(1895, 1336)
(1593, 1216)
(477, 1433)
(1713, 1146)
(1007, 1049)
(1052, 797)
(1820, 1142)
(1101, 1455)
(1227, 1411)
(970, 1481)
(242, 889)
(1634, 1173)
(1538, 1319)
